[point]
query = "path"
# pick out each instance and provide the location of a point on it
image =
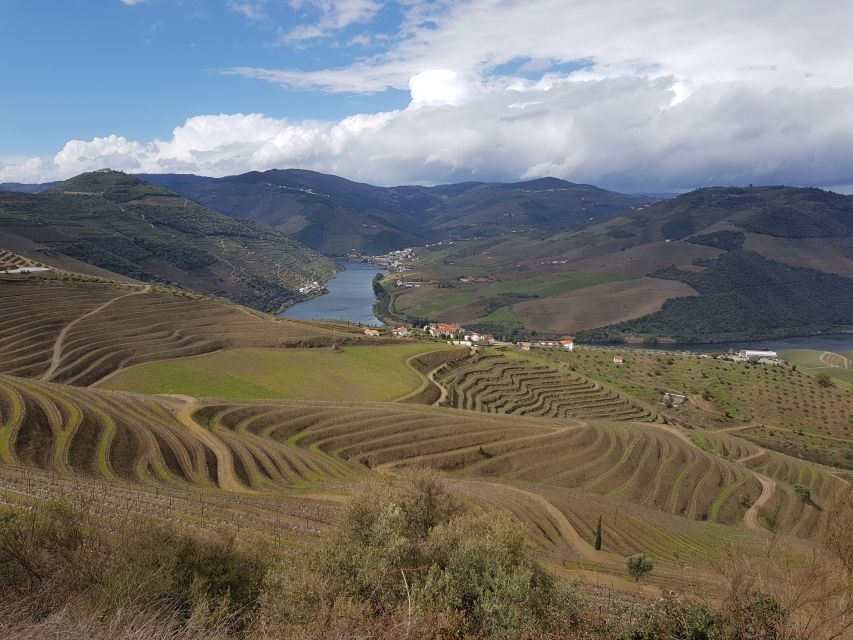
(183, 408)
(768, 489)
(56, 357)
(768, 486)
(835, 360)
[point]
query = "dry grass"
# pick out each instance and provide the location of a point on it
(600, 305)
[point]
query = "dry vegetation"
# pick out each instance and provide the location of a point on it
(81, 332)
(559, 441)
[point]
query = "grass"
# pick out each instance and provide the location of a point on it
(356, 373)
(473, 302)
(809, 360)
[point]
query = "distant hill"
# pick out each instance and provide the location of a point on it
(335, 215)
(127, 226)
(26, 188)
(710, 265)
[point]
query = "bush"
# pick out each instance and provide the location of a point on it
(408, 551)
(639, 566)
(51, 555)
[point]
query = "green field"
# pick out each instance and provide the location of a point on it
(356, 373)
(433, 302)
(809, 360)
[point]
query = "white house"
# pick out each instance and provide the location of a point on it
(757, 355)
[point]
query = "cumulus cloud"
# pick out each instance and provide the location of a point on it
(621, 132)
(644, 96)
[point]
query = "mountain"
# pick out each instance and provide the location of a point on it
(710, 265)
(335, 215)
(26, 188)
(121, 224)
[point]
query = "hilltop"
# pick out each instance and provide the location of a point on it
(714, 264)
(335, 215)
(120, 224)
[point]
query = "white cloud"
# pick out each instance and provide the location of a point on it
(133, 3)
(334, 16)
(630, 133)
(693, 40)
(673, 94)
(250, 10)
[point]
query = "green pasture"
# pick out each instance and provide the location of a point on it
(433, 302)
(809, 360)
(357, 373)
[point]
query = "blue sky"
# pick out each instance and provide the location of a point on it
(86, 68)
(652, 96)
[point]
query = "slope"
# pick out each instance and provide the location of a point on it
(336, 216)
(709, 265)
(121, 224)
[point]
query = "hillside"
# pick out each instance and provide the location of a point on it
(121, 224)
(335, 216)
(144, 405)
(711, 265)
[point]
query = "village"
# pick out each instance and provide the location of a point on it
(460, 336)
(394, 261)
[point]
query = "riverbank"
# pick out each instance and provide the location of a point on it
(350, 297)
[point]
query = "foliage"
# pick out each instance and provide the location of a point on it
(407, 549)
(727, 239)
(804, 492)
(51, 555)
(744, 295)
(598, 535)
(639, 566)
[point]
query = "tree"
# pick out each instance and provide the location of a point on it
(824, 380)
(804, 492)
(598, 535)
(639, 566)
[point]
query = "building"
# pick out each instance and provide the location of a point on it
(525, 346)
(757, 355)
(618, 360)
(401, 332)
(568, 344)
(444, 329)
(673, 399)
(371, 332)
(548, 343)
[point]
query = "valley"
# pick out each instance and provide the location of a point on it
(141, 403)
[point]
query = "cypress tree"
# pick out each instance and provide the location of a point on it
(598, 535)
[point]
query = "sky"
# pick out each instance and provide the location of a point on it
(659, 95)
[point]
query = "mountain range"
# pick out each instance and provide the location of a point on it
(335, 216)
(545, 255)
(111, 224)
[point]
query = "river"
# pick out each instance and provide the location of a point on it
(350, 297)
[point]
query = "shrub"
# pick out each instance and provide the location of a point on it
(639, 566)
(804, 492)
(408, 551)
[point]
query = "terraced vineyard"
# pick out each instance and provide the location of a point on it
(495, 383)
(80, 332)
(529, 433)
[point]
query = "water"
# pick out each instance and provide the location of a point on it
(350, 297)
(837, 343)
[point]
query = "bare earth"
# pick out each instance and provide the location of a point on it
(601, 305)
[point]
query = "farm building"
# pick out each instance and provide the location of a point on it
(444, 329)
(548, 343)
(618, 360)
(673, 399)
(568, 344)
(401, 332)
(525, 346)
(371, 332)
(757, 355)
